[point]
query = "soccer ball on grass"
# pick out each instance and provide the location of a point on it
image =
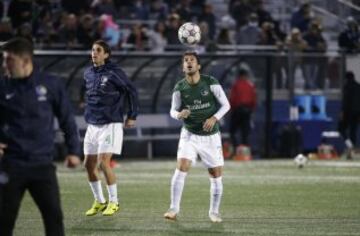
(300, 160)
(189, 33)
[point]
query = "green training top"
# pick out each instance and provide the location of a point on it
(201, 102)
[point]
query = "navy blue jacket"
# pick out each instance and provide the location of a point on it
(107, 86)
(27, 110)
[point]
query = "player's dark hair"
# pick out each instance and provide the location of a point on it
(191, 53)
(19, 46)
(105, 46)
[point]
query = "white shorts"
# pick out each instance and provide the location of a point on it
(106, 138)
(208, 147)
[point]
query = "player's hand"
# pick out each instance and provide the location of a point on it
(209, 124)
(129, 123)
(184, 114)
(72, 161)
(3, 146)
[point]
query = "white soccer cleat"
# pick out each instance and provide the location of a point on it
(215, 217)
(170, 214)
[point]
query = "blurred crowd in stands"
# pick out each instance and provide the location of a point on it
(152, 25)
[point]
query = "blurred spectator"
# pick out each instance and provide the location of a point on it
(20, 12)
(25, 31)
(249, 33)
(314, 67)
(205, 44)
(106, 7)
(302, 17)
(228, 22)
(76, 7)
(158, 10)
(171, 32)
(85, 33)
(268, 35)
(350, 113)
(295, 44)
(240, 11)
(45, 32)
(197, 7)
(224, 37)
(108, 31)
(6, 31)
(123, 7)
(68, 30)
(259, 9)
(183, 9)
(349, 39)
(140, 10)
(209, 17)
(243, 103)
(157, 39)
(138, 38)
(278, 31)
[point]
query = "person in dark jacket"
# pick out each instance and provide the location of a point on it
(350, 114)
(29, 102)
(349, 39)
(106, 88)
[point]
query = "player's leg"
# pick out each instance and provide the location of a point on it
(110, 142)
(44, 189)
(216, 191)
(105, 165)
(91, 166)
(177, 186)
(11, 194)
(186, 154)
(211, 155)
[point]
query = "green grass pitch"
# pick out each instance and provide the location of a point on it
(260, 198)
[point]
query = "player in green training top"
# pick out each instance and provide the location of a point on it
(200, 102)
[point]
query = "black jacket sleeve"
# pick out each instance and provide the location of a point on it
(64, 113)
(131, 93)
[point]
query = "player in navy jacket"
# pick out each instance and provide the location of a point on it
(29, 101)
(107, 87)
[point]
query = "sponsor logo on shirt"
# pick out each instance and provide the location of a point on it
(198, 105)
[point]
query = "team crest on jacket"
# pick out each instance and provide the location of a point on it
(103, 79)
(41, 92)
(204, 92)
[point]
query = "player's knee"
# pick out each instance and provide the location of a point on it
(183, 165)
(105, 165)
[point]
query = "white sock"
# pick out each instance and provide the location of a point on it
(112, 190)
(216, 190)
(97, 191)
(177, 186)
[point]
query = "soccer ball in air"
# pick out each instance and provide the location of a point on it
(189, 33)
(300, 160)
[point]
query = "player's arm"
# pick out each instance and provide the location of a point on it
(132, 97)
(220, 96)
(175, 107)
